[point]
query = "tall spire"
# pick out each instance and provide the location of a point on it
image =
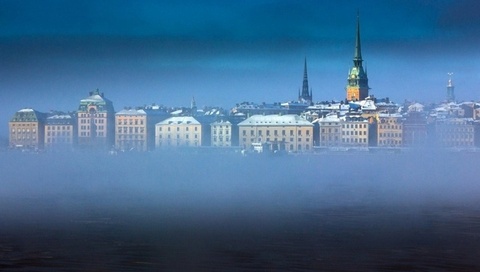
(357, 82)
(357, 59)
(306, 93)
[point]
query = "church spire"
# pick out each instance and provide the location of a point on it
(306, 93)
(357, 59)
(357, 82)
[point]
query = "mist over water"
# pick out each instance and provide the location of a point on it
(180, 211)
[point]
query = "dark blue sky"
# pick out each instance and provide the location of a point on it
(137, 52)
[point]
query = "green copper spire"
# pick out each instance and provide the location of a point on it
(357, 82)
(358, 50)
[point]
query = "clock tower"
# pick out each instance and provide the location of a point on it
(357, 82)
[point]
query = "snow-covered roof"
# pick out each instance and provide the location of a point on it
(389, 115)
(131, 112)
(26, 110)
(60, 116)
(221, 122)
(275, 120)
(179, 120)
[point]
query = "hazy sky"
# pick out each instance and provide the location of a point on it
(53, 53)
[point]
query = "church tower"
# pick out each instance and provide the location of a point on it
(450, 89)
(357, 83)
(306, 95)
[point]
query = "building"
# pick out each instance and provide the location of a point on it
(330, 131)
(357, 82)
(131, 130)
(96, 121)
(415, 130)
(155, 114)
(279, 132)
(60, 129)
(27, 129)
(355, 131)
(221, 133)
(455, 132)
(389, 130)
(178, 131)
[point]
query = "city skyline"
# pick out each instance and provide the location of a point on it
(223, 53)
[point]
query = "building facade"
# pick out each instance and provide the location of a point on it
(96, 122)
(60, 132)
(330, 131)
(279, 132)
(355, 132)
(455, 132)
(131, 130)
(178, 131)
(389, 130)
(27, 129)
(221, 133)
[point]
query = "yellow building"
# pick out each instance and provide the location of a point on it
(389, 130)
(131, 130)
(280, 132)
(178, 131)
(221, 133)
(95, 121)
(59, 131)
(27, 129)
(355, 132)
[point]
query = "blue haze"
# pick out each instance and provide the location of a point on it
(52, 53)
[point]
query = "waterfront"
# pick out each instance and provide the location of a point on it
(203, 212)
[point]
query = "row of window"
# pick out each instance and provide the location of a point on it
(390, 135)
(69, 127)
(87, 134)
(390, 142)
(130, 130)
(354, 125)
(220, 132)
(275, 133)
(130, 122)
(100, 115)
(96, 121)
(160, 129)
(88, 127)
(252, 140)
(130, 137)
(187, 136)
(220, 139)
(23, 125)
(23, 130)
(354, 140)
(362, 132)
(59, 133)
(396, 127)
